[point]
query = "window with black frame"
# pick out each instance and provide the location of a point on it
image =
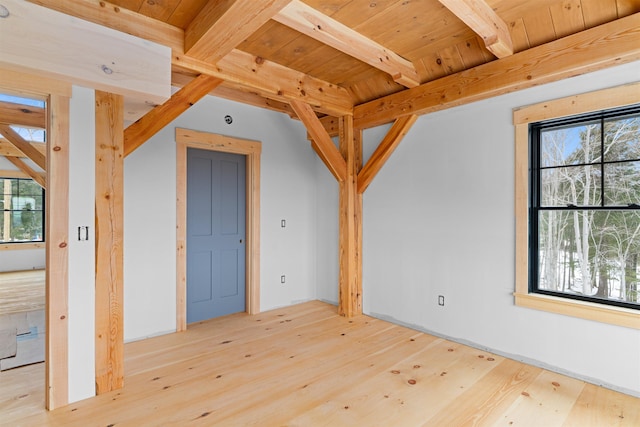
(22, 207)
(585, 207)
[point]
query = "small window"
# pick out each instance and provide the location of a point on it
(22, 207)
(584, 200)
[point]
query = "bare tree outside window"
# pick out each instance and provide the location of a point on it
(22, 206)
(586, 205)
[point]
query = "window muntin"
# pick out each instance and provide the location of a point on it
(22, 199)
(585, 213)
(22, 211)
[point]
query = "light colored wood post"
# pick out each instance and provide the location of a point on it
(57, 244)
(350, 233)
(109, 238)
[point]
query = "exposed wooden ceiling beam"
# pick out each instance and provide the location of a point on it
(222, 25)
(152, 122)
(322, 143)
(482, 19)
(388, 145)
(36, 176)
(238, 93)
(274, 81)
(590, 50)
(266, 78)
(331, 125)
(22, 115)
(314, 24)
(6, 173)
(21, 144)
(8, 149)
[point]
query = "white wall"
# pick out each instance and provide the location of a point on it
(81, 253)
(22, 259)
(439, 220)
(287, 192)
(327, 266)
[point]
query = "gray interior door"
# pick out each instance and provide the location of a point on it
(215, 234)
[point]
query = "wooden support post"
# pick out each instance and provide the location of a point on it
(109, 236)
(57, 254)
(350, 233)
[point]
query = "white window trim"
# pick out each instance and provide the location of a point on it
(574, 105)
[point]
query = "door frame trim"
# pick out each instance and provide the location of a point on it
(186, 138)
(57, 95)
(57, 253)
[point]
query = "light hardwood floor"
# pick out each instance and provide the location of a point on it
(21, 291)
(306, 366)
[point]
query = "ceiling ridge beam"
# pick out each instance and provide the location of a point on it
(22, 145)
(485, 22)
(247, 70)
(327, 30)
(221, 26)
(321, 142)
(384, 151)
(39, 178)
(590, 50)
(161, 115)
(22, 115)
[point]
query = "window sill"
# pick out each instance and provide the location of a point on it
(620, 316)
(19, 246)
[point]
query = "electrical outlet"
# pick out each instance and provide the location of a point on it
(441, 300)
(283, 223)
(282, 279)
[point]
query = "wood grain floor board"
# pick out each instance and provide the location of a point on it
(21, 291)
(306, 366)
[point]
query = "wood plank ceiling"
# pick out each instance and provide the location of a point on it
(338, 54)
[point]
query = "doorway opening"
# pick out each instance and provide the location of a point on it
(186, 138)
(40, 133)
